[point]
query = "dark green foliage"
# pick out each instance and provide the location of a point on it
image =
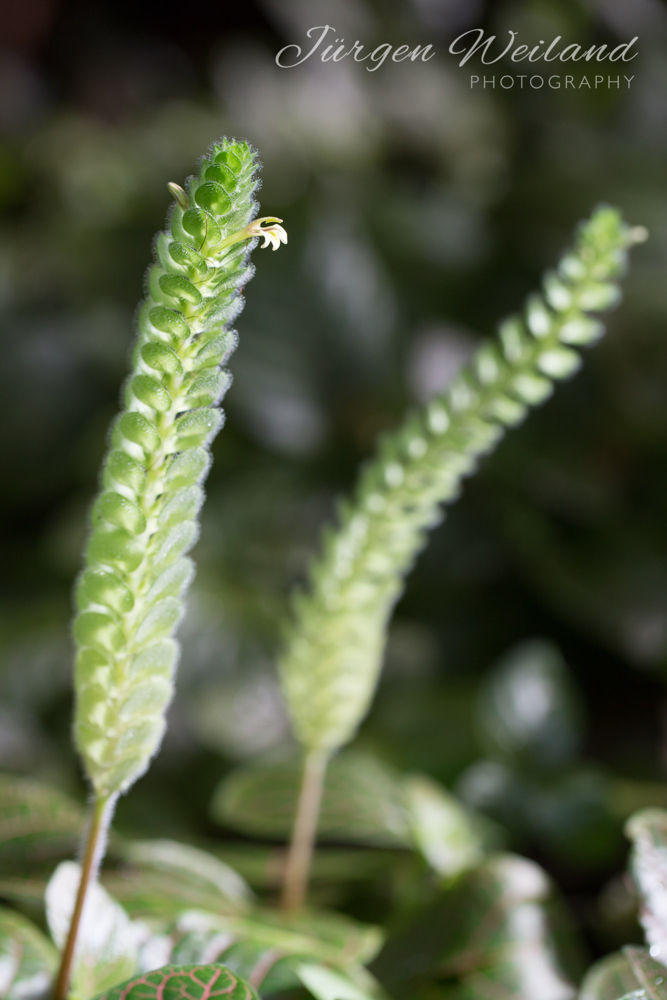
(493, 933)
(529, 710)
(535, 780)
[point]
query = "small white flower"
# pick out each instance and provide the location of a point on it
(268, 227)
(272, 232)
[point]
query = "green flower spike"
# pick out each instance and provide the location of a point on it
(145, 519)
(333, 655)
(130, 595)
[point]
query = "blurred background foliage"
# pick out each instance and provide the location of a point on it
(419, 212)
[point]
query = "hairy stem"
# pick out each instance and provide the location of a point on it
(302, 843)
(92, 856)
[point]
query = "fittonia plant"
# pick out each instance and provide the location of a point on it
(144, 521)
(130, 600)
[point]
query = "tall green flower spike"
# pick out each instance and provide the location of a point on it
(333, 655)
(130, 594)
(144, 521)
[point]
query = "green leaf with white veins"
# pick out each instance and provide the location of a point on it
(652, 975)
(609, 979)
(324, 984)
(109, 941)
(330, 938)
(27, 959)
(164, 876)
(171, 856)
(37, 824)
(264, 866)
(362, 800)
(198, 982)
(269, 948)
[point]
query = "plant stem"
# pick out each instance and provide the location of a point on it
(92, 855)
(300, 853)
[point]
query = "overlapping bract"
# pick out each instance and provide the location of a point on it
(333, 655)
(130, 594)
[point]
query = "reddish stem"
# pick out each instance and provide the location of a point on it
(99, 821)
(300, 853)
